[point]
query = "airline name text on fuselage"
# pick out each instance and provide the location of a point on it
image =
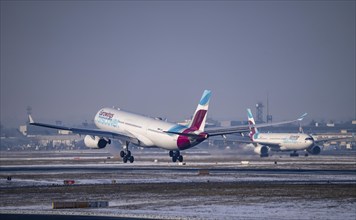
(107, 118)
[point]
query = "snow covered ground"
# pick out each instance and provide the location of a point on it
(211, 208)
(172, 191)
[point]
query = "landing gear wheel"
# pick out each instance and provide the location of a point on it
(175, 156)
(294, 154)
(126, 154)
(131, 159)
(124, 159)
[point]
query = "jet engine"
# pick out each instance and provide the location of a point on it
(314, 150)
(96, 142)
(261, 150)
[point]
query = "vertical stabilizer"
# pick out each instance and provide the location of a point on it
(199, 117)
(251, 121)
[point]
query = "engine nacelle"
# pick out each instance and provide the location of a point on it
(314, 150)
(95, 142)
(261, 150)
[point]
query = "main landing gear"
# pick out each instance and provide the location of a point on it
(126, 154)
(294, 154)
(176, 156)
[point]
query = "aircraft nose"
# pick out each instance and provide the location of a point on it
(310, 140)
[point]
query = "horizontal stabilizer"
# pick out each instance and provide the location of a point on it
(302, 117)
(185, 134)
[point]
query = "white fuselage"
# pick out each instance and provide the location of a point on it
(284, 141)
(149, 131)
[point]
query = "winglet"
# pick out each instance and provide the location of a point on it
(302, 117)
(30, 119)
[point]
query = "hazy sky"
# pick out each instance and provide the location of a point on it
(67, 59)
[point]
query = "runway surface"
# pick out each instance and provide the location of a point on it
(59, 217)
(208, 185)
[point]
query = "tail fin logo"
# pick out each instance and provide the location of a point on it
(198, 120)
(253, 133)
(251, 121)
(200, 114)
(205, 98)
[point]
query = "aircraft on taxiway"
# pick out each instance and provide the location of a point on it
(266, 142)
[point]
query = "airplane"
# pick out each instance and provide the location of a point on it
(143, 131)
(265, 142)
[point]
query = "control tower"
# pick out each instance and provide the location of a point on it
(259, 112)
(269, 116)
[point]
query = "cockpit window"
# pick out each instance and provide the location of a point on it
(309, 139)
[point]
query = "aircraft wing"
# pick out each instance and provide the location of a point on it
(280, 123)
(322, 140)
(227, 130)
(274, 145)
(246, 128)
(93, 132)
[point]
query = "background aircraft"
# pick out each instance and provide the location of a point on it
(151, 132)
(265, 142)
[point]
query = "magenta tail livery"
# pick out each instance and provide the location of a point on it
(149, 132)
(199, 117)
